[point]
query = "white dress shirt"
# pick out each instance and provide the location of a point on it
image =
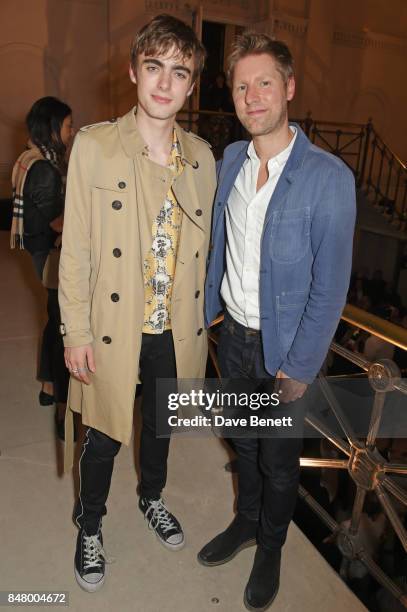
(245, 213)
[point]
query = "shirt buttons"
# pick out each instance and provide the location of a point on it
(106, 339)
(115, 297)
(116, 205)
(199, 332)
(198, 212)
(117, 252)
(121, 185)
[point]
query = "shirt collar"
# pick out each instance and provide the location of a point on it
(134, 144)
(279, 159)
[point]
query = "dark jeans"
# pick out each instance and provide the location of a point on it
(157, 360)
(268, 467)
(51, 365)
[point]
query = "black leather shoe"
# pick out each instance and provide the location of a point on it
(45, 399)
(240, 534)
(264, 580)
(60, 427)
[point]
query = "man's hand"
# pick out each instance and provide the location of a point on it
(57, 224)
(288, 388)
(79, 360)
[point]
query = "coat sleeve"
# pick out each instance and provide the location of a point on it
(75, 261)
(43, 187)
(331, 242)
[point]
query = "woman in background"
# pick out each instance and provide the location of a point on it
(38, 180)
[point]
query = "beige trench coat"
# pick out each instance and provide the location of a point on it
(106, 209)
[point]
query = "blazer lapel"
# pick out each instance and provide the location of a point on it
(289, 174)
(227, 177)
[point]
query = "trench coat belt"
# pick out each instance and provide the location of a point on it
(69, 441)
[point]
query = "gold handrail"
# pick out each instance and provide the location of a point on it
(389, 332)
(390, 150)
(339, 123)
(394, 334)
(186, 111)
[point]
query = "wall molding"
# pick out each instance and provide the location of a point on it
(176, 6)
(293, 25)
(358, 40)
(370, 40)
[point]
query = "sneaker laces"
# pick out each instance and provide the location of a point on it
(93, 550)
(160, 516)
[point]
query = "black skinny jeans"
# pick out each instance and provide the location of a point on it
(157, 360)
(52, 366)
(268, 467)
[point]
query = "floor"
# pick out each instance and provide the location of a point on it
(37, 534)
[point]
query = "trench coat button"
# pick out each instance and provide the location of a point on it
(116, 205)
(106, 339)
(115, 297)
(117, 253)
(197, 293)
(122, 185)
(198, 212)
(197, 254)
(199, 332)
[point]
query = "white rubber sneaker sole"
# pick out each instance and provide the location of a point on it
(168, 546)
(90, 587)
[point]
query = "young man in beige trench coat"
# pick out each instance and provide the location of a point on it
(135, 243)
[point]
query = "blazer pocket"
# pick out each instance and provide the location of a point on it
(290, 235)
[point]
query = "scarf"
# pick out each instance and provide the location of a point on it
(32, 154)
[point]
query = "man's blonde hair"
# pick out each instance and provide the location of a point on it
(253, 43)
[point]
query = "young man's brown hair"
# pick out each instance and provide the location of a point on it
(253, 43)
(163, 32)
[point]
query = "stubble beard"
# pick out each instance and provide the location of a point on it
(269, 127)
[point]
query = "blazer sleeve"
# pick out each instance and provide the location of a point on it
(75, 261)
(331, 242)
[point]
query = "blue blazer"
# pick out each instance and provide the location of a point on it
(306, 255)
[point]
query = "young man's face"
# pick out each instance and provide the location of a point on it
(163, 83)
(260, 94)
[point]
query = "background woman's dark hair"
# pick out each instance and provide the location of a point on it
(44, 122)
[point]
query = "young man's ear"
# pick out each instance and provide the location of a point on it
(132, 75)
(290, 88)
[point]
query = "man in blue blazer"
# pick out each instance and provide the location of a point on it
(279, 267)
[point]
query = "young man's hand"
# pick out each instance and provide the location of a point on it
(288, 388)
(80, 360)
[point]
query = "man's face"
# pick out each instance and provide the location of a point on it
(163, 83)
(260, 94)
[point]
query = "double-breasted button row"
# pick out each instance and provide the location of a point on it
(117, 252)
(122, 185)
(115, 297)
(199, 332)
(106, 339)
(198, 212)
(116, 205)
(197, 294)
